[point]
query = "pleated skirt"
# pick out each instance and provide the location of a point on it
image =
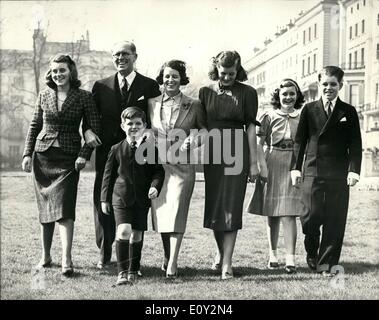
(280, 197)
(55, 184)
(169, 211)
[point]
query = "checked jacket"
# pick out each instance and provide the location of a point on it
(49, 124)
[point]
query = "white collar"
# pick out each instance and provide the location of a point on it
(293, 114)
(324, 101)
(139, 140)
(129, 78)
(176, 98)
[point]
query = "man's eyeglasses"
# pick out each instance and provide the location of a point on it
(121, 54)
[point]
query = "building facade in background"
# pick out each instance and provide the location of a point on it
(343, 33)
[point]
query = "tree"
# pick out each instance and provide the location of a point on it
(39, 45)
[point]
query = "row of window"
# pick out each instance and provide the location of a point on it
(261, 77)
(356, 64)
(356, 30)
(307, 66)
(309, 39)
(357, 6)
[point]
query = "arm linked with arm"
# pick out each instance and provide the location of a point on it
(91, 118)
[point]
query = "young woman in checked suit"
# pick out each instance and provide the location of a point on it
(54, 153)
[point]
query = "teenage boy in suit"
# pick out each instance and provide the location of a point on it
(112, 95)
(330, 138)
(129, 182)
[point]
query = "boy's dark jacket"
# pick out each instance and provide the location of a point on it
(125, 181)
(332, 147)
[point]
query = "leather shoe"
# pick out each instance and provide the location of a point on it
(122, 278)
(312, 262)
(164, 267)
(290, 269)
(102, 265)
(44, 264)
(273, 265)
(68, 271)
(227, 275)
(132, 277)
(327, 274)
(172, 276)
(216, 266)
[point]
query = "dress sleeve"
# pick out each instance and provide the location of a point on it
(251, 107)
(264, 130)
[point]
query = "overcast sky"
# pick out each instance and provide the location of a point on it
(193, 30)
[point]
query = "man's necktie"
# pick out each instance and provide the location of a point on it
(124, 87)
(133, 147)
(328, 108)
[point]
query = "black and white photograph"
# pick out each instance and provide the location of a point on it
(207, 150)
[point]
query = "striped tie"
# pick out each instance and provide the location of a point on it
(328, 108)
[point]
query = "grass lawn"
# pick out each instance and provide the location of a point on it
(20, 251)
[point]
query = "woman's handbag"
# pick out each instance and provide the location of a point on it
(256, 202)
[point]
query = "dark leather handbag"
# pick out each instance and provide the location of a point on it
(255, 205)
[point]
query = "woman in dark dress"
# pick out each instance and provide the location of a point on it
(53, 152)
(231, 109)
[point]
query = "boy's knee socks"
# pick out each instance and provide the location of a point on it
(122, 253)
(135, 249)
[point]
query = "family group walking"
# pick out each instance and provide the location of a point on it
(304, 157)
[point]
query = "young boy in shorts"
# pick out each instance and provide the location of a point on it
(130, 181)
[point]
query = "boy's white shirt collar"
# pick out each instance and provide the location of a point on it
(139, 140)
(129, 78)
(324, 101)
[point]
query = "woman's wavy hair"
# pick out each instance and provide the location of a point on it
(227, 59)
(285, 83)
(177, 65)
(74, 81)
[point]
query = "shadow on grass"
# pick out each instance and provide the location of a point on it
(240, 273)
(360, 267)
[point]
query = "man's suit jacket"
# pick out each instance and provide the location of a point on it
(49, 124)
(126, 182)
(107, 96)
(191, 116)
(332, 146)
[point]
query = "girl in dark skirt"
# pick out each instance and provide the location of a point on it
(231, 107)
(53, 152)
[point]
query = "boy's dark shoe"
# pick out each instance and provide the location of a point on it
(132, 277)
(312, 262)
(122, 278)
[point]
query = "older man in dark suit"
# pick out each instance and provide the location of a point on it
(329, 136)
(112, 95)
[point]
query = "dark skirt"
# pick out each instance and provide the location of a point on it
(225, 193)
(56, 184)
